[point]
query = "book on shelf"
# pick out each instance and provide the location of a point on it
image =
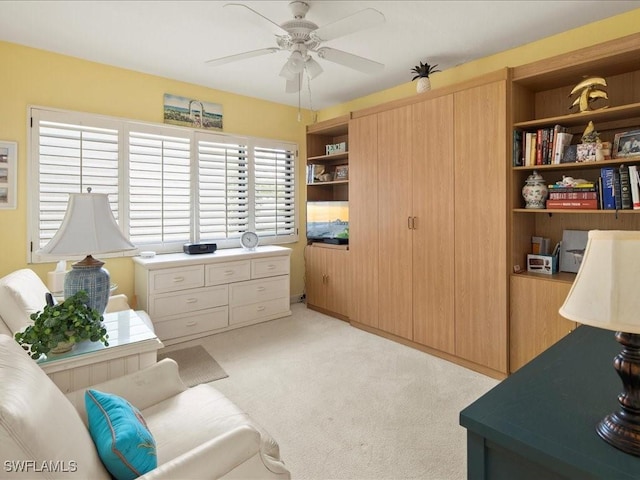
(544, 146)
(625, 188)
(562, 141)
(578, 187)
(573, 195)
(517, 148)
(617, 189)
(608, 188)
(590, 204)
(634, 180)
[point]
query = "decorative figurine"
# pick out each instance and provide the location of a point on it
(590, 90)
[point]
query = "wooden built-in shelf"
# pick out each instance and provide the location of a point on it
(564, 277)
(328, 158)
(333, 182)
(581, 165)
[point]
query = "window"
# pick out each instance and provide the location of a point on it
(166, 185)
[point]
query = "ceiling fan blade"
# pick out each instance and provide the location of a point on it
(280, 29)
(350, 60)
(294, 85)
(313, 68)
(366, 18)
(241, 56)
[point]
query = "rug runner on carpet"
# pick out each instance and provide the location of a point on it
(195, 365)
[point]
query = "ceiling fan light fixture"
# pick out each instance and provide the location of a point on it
(287, 73)
(313, 68)
(296, 62)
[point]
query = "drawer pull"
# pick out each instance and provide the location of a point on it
(260, 308)
(229, 272)
(261, 289)
(192, 300)
(192, 323)
(271, 267)
(178, 279)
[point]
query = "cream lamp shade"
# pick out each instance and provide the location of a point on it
(88, 228)
(605, 292)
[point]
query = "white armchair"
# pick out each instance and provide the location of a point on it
(199, 433)
(23, 293)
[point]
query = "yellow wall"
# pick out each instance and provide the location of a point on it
(591, 34)
(36, 77)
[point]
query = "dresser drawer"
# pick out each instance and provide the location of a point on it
(191, 301)
(175, 279)
(182, 326)
(219, 273)
(256, 311)
(258, 290)
(270, 267)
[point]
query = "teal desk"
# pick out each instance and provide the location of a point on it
(539, 424)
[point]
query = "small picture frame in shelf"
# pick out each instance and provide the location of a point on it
(8, 174)
(626, 144)
(341, 173)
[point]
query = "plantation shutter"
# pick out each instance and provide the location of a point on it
(274, 190)
(159, 189)
(70, 156)
(223, 209)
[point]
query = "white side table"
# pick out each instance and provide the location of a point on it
(132, 346)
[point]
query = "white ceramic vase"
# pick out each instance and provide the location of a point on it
(535, 191)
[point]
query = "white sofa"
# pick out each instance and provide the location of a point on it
(22, 293)
(199, 433)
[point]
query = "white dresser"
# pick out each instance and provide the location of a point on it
(190, 296)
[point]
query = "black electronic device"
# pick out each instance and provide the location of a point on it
(195, 248)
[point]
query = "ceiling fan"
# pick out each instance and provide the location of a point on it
(302, 37)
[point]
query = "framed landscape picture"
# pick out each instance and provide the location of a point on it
(8, 174)
(188, 112)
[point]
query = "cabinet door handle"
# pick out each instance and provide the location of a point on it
(192, 300)
(414, 223)
(409, 223)
(178, 279)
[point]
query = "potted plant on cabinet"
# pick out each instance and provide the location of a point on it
(423, 71)
(59, 327)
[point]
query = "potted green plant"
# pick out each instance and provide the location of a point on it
(423, 71)
(57, 328)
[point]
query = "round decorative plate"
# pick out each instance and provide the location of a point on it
(249, 240)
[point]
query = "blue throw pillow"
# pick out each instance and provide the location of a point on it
(125, 444)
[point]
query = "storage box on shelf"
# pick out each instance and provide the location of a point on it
(540, 99)
(189, 296)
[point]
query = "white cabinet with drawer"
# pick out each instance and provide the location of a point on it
(190, 296)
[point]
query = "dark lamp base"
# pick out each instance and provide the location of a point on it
(622, 428)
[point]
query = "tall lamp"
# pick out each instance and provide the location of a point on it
(605, 295)
(88, 228)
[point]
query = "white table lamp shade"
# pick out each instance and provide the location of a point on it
(88, 228)
(606, 293)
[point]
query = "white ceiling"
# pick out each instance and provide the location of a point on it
(174, 39)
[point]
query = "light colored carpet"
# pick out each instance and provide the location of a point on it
(345, 404)
(195, 365)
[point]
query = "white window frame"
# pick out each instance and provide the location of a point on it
(124, 126)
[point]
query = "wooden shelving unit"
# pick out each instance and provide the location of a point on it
(327, 269)
(540, 98)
